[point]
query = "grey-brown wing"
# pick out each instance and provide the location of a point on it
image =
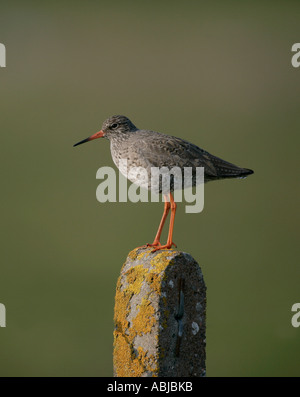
(160, 150)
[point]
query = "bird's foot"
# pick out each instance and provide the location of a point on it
(154, 244)
(164, 247)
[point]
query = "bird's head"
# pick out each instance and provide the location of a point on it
(112, 127)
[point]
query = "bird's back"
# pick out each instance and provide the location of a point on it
(152, 149)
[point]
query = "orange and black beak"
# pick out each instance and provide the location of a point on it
(99, 134)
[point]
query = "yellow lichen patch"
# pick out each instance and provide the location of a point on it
(154, 281)
(130, 360)
(122, 355)
(128, 364)
(134, 255)
(157, 273)
(135, 277)
(143, 254)
(121, 306)
(141, 363)
(134, 280)
(149, 361)
(125, 361)
(144, 320)
(161, 260)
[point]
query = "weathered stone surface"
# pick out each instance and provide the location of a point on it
(159, 316)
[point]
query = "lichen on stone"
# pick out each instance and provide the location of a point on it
(136, 316)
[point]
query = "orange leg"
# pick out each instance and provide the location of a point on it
(169, 244)
(156, 242)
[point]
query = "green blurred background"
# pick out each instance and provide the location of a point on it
(218, 74)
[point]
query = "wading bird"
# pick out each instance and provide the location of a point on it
(147, 149)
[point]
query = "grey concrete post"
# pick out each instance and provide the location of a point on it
(160, 310)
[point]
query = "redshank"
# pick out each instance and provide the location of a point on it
(144, 148)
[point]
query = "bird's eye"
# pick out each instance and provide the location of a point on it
(114, 126)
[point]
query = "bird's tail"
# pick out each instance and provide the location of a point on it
(223, 169)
